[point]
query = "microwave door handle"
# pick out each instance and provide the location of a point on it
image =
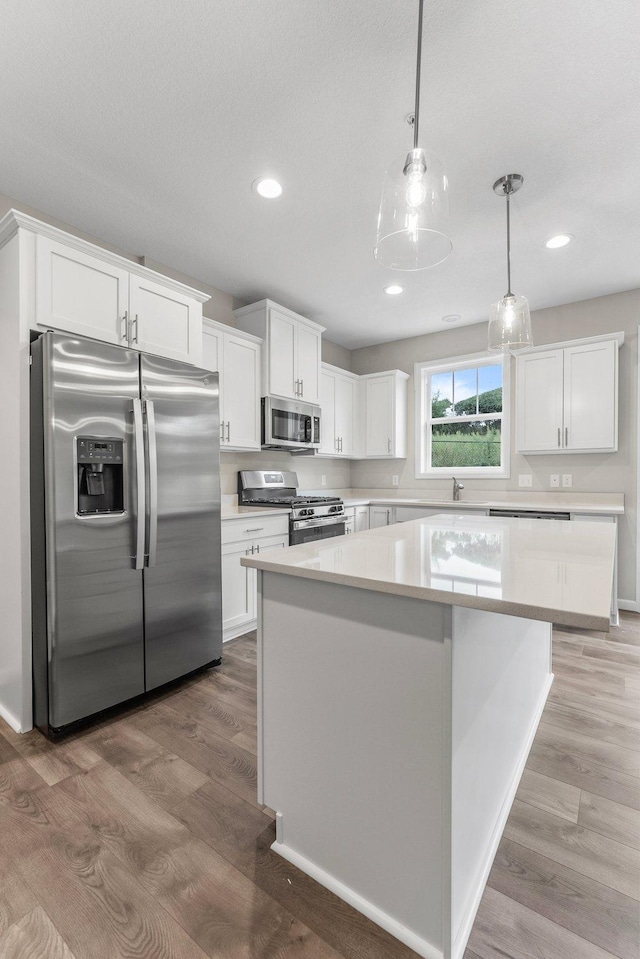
(153, 483)
(138, 445)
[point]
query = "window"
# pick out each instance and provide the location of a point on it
(462, 417)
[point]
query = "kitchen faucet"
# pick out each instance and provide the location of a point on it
(456, 489)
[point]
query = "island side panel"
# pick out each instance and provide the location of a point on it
(501, 675)
(354, 700)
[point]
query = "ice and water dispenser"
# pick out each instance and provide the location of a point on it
(100, 475)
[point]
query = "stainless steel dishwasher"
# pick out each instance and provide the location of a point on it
(529, 514)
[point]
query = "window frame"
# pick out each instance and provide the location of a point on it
(424, 421)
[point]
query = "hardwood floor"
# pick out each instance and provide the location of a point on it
(141, 837)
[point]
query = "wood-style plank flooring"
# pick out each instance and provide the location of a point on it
(141, 837)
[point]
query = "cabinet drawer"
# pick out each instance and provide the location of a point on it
(253, 528)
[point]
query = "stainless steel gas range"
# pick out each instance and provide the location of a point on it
(311, 518)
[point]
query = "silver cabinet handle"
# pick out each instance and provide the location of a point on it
(254, 529)
(248, 551)
(389, 445)
(301, 387)
(134, 322)
(222, 431)
(152, 457)
(559, 434)
(138, 437)
(228, 431)
(566, 436)
(123, 322)
(258, 548)
(337, 444)
(296, 387)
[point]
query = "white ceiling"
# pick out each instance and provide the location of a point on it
(144, 123)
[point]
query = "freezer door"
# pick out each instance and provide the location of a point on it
(91, 641)
(182, 591)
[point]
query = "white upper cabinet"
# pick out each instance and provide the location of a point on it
(80, 288)
(567, 399)
(339, 404)
(164, 321)
(80, 293)
(236, 358)
(384, 401)
(292, 350)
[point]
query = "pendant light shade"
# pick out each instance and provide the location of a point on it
(414, 213)
(509, 317)
(413, 231)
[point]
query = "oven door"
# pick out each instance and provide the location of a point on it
(310, 530)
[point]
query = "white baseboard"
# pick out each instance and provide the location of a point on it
(460, 943)
(11, 720)
(627, 605)
(382, 919)
(236, 631)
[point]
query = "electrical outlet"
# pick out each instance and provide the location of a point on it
(395, 479)
(323, 480)
(567, 480)
(554, 480)
(525, 479)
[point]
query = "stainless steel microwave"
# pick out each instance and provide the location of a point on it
(289, 425)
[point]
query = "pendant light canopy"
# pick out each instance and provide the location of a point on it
(413, 231)
(509, 318)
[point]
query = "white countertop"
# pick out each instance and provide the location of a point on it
(552, 571)
(237, 512)
(609, 503)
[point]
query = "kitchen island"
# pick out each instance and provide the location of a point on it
(402, 672)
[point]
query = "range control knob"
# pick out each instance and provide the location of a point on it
(334, 509)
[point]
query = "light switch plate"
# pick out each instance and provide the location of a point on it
(567, 480)
(395, 479)
(323, 480)
(554, 480)
(525, 479)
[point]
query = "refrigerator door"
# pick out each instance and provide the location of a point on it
(182, 589)
(91, 642)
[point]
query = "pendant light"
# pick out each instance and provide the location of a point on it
(414, 209)
(509, 319)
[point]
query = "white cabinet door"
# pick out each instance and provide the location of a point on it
(345, 407)
(540, 401)
(308, 347)
(282, 355)
(328, 438)
(381, 516)
(590, 415)
(212, 350)
(379, 395)
(361, 518)
(80, 293)
(238, 588)
(241, 397)
(164, 321)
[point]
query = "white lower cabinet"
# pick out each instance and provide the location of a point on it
(244, 537)
(381, 516)
(361, 518)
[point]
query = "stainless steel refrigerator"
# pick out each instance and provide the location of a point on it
(125, 488)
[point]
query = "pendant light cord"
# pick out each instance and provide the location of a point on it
(508, 194)
(417, 107)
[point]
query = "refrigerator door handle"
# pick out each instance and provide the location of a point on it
(153, 483)
(138, 437)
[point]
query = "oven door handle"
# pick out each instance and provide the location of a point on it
(318, 521)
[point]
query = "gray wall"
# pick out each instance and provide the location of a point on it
(594, 472)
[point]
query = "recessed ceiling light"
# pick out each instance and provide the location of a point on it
(266, 187)
(555, 242)
(394, 289)
(451, 318)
